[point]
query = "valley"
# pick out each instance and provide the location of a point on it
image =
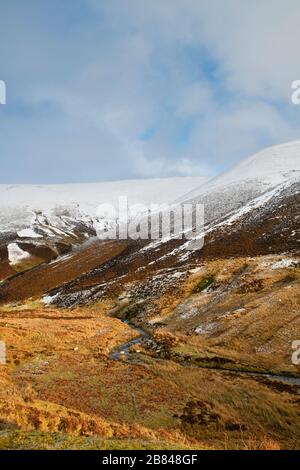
(169, 381)
(124, 344)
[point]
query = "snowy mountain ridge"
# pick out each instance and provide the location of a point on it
(42, 222)
(85, 197)
(255, 184)
(267, 168)
(47, 220)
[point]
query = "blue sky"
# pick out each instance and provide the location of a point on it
(116, 89)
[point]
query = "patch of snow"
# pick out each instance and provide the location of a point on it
(16, 255)
(28, 233)
(196, 270)
(202, 330)
(178, 274)
(233, 312)
(61, 259)
(284, 263)
(192, 312)
(185, 256)
(49, 299)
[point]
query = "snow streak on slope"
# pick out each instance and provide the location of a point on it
(256, 182)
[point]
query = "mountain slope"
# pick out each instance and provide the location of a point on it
(196, 343)
(265, 169)
(263, 180)
(41, 222)
(247, 218)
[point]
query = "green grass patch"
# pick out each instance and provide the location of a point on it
(203, 284)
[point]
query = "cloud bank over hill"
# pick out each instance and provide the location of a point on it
(130, 89)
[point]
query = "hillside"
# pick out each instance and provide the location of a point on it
(138, 342)
(40, 222)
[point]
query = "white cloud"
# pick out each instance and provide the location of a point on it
(209, 81)
(238, 130)
(194, 99)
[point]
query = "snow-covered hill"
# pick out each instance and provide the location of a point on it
(39, 222)
(20, 203)
(253, 209)
(262, 171)
(254, 185)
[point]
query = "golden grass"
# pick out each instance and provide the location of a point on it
(59, 388)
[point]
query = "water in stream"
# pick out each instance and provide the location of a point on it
(123, 352)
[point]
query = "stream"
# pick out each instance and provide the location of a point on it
(123, 352)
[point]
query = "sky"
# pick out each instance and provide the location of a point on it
(101, 90)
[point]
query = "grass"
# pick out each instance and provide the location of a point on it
(203, 284)
(29, 304)
(66, 399)
(61, 390)
(20, 440)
